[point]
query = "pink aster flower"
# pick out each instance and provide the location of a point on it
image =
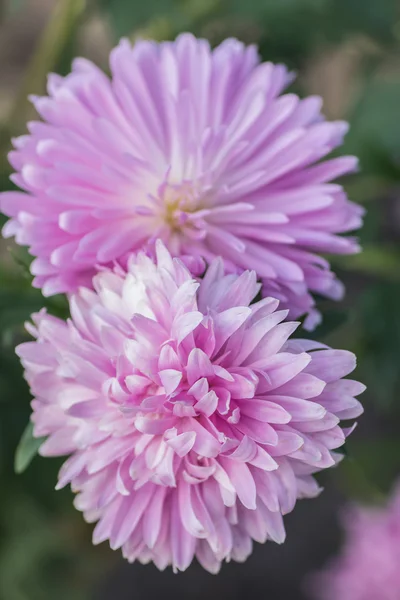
(368, 567)
(193, 424)
(193, 146)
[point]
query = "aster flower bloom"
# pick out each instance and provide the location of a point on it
(368, 567)
(193, 146)
(193, 424)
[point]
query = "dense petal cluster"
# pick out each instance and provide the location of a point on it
(368, 568)
(193, 146)
(192, 421)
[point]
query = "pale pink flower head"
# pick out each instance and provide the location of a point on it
(195, 146)
(192, 422)
(368, 566)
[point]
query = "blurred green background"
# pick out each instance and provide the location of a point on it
(348, 51)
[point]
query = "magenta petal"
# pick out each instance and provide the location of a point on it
(182, 543)
(207, 404)
(170, 378)
(205, 444)
(129, 515)
(199, 147)
(190, 432)
(267, 411)
(198, 366)
(185, 324)
(331, 365)
(243, 482)
(183, 443)
(153, 516)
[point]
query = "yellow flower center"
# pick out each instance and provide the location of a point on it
(179, 201)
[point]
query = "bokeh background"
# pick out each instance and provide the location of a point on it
(347, 51)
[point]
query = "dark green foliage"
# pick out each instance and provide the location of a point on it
(126, 15)
(26, 450)
(45, 550)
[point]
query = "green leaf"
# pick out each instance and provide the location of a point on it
(378, 324)
(380, 261)
(158, 19)
(357, 482)
(27, 449)
(54, 40)
(268, 7)
(374, 135)
(375, 19)
(127, 15)
(368, 473)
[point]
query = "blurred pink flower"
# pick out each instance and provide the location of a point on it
(193, 423)
(193, 146)
(368, 567)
